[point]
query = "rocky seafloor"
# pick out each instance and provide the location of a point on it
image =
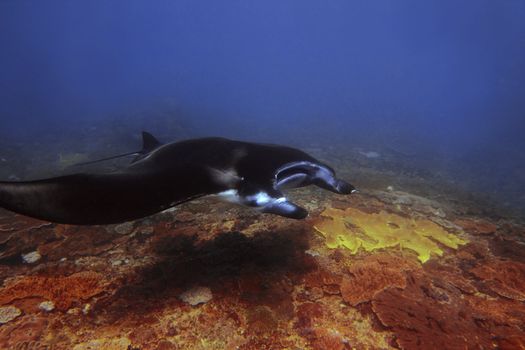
(424, 267)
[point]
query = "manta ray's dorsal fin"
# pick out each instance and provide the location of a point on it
(149, 144)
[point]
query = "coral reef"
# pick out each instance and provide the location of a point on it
(355, 229)
(268, 282)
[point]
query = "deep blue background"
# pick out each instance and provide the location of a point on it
(445, 75)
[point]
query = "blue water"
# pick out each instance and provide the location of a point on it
(439, 82)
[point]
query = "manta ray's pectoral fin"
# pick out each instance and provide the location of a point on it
(269, 200)
(91, 199)
(283, 207)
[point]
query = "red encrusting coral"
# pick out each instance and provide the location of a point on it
(372, 275)
(62, 291)
(506, 278)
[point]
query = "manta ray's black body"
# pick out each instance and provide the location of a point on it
(163, 176)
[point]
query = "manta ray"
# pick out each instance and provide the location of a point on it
(162, 176)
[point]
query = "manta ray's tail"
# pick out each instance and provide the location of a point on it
(149, 143)
(85, 199)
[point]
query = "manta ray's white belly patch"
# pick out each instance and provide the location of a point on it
(231, 196)
(260, 199)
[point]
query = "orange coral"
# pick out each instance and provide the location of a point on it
(63, 291)
(506, 278)
(371, 276)
(422, 318)
(431, 314)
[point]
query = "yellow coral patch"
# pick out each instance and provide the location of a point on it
(354, 229)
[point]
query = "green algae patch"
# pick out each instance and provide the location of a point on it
(354, 229)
